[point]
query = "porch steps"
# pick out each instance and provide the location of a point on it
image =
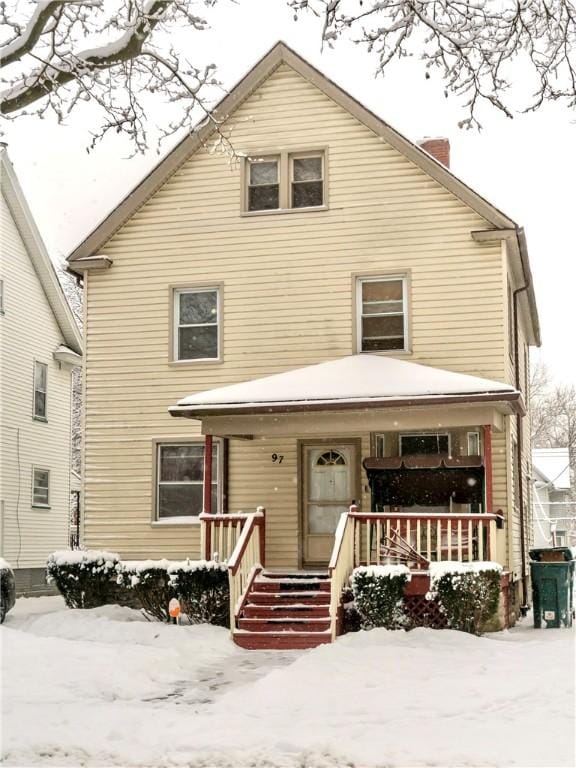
(285, 611)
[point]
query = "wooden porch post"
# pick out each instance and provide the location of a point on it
(488, 481)
(207, 485)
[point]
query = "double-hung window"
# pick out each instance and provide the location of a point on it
(285, 181)
(179, 481)
(40, 390)
(196, 326)
(382, 318)
(40, 487)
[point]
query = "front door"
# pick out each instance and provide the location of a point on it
(329, 489)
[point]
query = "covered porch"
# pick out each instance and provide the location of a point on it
(387, 462)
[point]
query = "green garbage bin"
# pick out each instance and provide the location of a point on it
(552, 572)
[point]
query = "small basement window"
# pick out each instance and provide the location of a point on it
(381, 314)
(196, 326)
(40, 487)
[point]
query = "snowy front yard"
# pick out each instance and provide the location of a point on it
(105, 687)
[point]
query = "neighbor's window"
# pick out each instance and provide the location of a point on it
(263, 184)
(40, 487)
(180, 473)
(382, 316)
(197, 316)
(40, 390)
(424, 444)
(307, 181)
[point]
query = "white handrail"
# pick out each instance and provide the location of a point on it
(341, 565)
(244, 562)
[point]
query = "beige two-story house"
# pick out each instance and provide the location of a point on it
(40, 345)
(324, 317)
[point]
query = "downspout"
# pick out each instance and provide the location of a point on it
(520, 438)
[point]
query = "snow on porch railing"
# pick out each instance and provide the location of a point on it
(341, 564)
(219, 535)
(248, 556)
(417, 539)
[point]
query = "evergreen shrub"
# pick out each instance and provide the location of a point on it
(379, 595)
(84, 578)
(468, 593)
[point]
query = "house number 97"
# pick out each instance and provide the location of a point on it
(277, 458)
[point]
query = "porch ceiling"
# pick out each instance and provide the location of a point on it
(357, 382)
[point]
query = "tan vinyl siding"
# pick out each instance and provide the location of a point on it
(287, 296)
(28, 332)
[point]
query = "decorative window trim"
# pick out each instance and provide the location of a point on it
(357, 307)
(40, 504)
(38, 416)
(157, 445)
(174, 292)
(285, 158)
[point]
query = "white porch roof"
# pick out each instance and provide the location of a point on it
(357, 381)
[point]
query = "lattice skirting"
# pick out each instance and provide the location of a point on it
(424, 613)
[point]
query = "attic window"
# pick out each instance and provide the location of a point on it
(284, 182)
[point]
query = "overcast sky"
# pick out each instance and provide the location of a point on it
(526, 166)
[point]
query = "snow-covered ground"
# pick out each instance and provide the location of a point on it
(105, 687)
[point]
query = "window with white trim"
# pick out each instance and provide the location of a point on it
(196, 324)
(382, 318)
(285, 181)
(180, 479)
(380, 445)
(40, 390)
(40, 487)
(473, 439)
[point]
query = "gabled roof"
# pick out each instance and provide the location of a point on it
(38, 255)
(356, 381)
(553, 464)
(277, 55)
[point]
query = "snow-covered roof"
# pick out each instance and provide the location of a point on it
(358, 380)
(553, 464)
(38, 255)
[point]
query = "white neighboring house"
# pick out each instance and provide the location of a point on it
(554, 514)
(40, 345)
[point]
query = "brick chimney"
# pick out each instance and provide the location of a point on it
(438, 148)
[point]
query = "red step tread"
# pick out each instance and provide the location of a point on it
(284, 625)
(280, 640)
(285, 612)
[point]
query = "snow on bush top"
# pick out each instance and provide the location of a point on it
(5, 565)
(437, 570)
(383, 571)
(171, 566)
(82, 556)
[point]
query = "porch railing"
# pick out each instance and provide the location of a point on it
(245, 561)
(415, 539)
(219, 535)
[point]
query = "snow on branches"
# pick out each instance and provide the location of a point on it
(113, 54)
(480, 47)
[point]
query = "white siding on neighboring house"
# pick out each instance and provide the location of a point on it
(29, 333)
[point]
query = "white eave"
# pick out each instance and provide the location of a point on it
(38, 255)
(66, 355)
(357, 381)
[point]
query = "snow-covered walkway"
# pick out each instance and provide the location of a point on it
(107, 688)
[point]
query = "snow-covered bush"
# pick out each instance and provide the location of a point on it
(84, 578)
(201, 586)
(379, 595)
(7, 589)
(203, 590)
(468, 593)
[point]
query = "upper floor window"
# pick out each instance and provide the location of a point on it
(381, 314)
(40, 390)
(40, 487)
(285, 181)
(180, 474)
(196, 324)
